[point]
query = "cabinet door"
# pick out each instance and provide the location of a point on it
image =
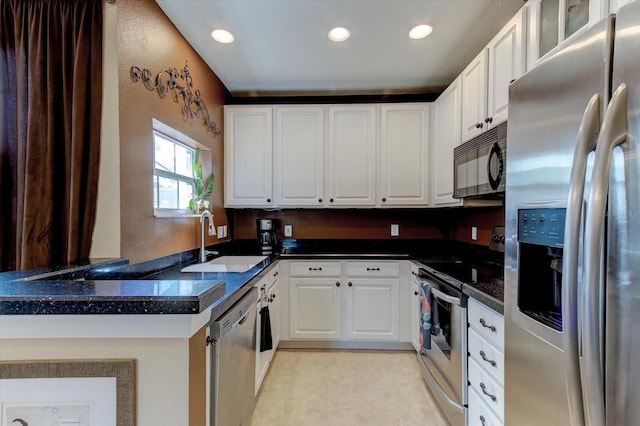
(474, 97)
(351, 171)
(248, 157)
(372, 309)
(447, 112)
(315, 308)
(274, 314)
(414, 309)
(299, 171)
(404, 155)
(506, 63)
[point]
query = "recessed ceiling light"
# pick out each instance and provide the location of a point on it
(339, 34)
(222, 36)
(420, 31)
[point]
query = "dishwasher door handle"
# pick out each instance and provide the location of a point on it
(243, 319)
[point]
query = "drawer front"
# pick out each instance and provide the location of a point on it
(315, 269)
(373, 269)
(274, 274)
(479, 413)
(487, 322)
(488, 356)
(487, 388)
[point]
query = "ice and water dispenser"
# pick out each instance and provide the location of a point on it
(540, 240)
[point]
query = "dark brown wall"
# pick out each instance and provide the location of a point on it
(147, 39)
(484, 219)
(343, 224)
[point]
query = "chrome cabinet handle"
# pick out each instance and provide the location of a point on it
(613, 132)
(484, 324)
(483, 421)
(484, 391)
(586, 141)
(484, 358)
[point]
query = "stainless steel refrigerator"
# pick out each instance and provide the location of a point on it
(572, 257)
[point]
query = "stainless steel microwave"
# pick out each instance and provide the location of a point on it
(480, 165)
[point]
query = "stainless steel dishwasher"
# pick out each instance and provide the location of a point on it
(233, 358)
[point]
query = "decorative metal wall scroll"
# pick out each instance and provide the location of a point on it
(193, 104)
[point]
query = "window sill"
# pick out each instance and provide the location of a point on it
(173, 214)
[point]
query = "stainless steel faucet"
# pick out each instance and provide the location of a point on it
(212, 232)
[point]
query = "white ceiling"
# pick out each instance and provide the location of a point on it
(281, 46)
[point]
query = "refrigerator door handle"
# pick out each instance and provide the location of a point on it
(613, 133)
(586, 141)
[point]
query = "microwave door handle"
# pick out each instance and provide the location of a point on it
(586, 141)
(613, 133)
(442, 296)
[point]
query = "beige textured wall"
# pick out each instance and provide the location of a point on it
(147, 39)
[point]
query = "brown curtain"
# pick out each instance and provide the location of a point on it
(50, 108)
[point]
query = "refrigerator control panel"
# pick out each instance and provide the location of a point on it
(543, 227)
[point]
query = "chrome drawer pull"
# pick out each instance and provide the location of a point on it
(484, 324)
(484, 358)
(484, 391)
(483, 421)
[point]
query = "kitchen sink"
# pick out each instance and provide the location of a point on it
(226, 264)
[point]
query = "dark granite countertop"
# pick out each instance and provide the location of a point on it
(113, 286)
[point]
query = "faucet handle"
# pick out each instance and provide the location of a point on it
(213, 252)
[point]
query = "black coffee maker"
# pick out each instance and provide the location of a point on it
(267, 240)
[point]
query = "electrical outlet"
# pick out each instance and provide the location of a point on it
(224, 231)
(474, 233)
(288, 230)
(212, 230)
(395, 230)
(220, 231)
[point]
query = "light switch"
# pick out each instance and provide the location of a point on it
(395, 230)
(220, 231)
(224, 230)
(474, 233)
(288, 230)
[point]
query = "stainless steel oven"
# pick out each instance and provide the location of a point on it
(479, 165)
(443, 350)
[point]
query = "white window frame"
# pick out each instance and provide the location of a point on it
(177, 138)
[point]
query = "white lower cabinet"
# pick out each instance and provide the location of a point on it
(315, 308)
(372, 309)
(268, 295)
(345, 300)
(486, 365)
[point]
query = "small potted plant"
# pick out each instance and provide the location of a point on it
(201, 187)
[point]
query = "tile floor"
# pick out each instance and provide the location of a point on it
(332, 387)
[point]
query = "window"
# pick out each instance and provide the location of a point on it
(172, 173)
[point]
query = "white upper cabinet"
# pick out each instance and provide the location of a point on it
(248, 156)
(474, 96)
(506, 63)
(351, 169)
(299, 154)
(404, 155)
(485, 81)
(446, 133)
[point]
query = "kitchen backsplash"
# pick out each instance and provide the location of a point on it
(374, 224)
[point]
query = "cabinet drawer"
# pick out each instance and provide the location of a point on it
(487, 356)
(479, 413)
(487, 388)
(373, 269)
(315, 269)
(487, 323)
(274, 274)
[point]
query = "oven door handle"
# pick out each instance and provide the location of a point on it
(442, 296)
